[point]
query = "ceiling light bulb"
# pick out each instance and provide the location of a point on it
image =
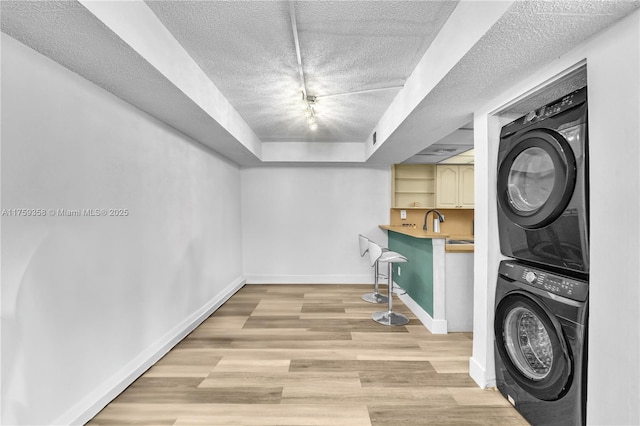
(313, 126)
(308, 113)
(311, 120)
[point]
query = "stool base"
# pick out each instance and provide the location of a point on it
(375, 298)
(389, 318)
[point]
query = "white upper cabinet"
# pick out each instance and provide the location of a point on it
(455, 186)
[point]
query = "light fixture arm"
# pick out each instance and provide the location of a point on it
(307, 100)
(296, 41)
(357, 92)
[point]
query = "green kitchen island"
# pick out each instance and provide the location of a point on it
(424, 277)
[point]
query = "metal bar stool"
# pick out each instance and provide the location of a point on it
(374, 297)
(376, 254)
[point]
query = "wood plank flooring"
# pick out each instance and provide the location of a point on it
(310, 355)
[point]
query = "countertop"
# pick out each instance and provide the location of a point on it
(419, 233)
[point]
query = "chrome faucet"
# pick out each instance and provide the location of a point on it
(436, 221)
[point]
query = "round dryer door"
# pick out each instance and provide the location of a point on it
(536, 179)
(532, 347)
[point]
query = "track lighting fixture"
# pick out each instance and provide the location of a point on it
(310, 114)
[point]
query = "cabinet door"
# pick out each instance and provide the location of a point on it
(466, 198)
(447, 187)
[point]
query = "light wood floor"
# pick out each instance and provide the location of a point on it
(310, 355)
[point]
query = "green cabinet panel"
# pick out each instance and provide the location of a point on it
(416, 276)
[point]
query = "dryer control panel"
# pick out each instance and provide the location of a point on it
(569, 101)
(553, 283)
(565, 103)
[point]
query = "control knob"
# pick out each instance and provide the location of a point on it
(531, 116)
(530, 277)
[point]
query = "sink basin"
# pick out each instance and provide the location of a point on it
(459, 241)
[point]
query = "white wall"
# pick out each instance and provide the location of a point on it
(301, 224)
(88, 302)
(613, 73)
(613, 70)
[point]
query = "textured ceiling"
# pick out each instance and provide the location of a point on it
(69, 34)
(528, 36)
(461, 141)
(247, 50)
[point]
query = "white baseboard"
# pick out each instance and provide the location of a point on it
(91, 405)
(479, 374)
(309, 279)
(434, 326)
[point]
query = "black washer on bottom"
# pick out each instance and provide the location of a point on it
(540, 348)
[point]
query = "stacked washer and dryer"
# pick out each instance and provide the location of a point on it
(542, 293)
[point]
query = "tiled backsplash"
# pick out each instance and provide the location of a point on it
(456, 221)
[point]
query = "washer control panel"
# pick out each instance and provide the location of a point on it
(570, 288)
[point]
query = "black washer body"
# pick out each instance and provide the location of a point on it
(542, 186)
(540, 345)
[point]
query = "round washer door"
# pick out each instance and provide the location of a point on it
(532, 347)
(536, 179)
